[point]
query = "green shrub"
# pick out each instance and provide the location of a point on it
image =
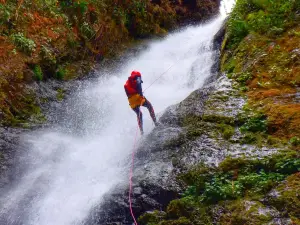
(238, 29)
(5, 14)
(260, 182)
(24, 44)
(190, 191)
(236, 25)
(288, 166)
(221, 188)
(60, 73)
(38, 73)
(243, 78)
(261, 16)
(255, 124)
(295, 141)
(237, 176)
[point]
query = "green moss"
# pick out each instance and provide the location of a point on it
(180, 207)
(213, 118)
(288, 200)
(229, 66)
(44, 100)
(190, 120)
(195, 127)
(216, 97)
(60, 94)
(151, 218)
(252, 138)
(226, 130)
(244, 212)
(27, 113)
(243, 78)
(180, 221)
(274, 141)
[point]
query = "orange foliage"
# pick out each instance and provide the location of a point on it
(273, 87)
(284, 119)
(52, 35)
(268, 93)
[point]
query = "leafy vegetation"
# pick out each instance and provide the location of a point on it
(24, 44)
(62, 37)
(38, 74)
(258, 54)
(61, 72)
(295, 141)
(231, 185)
(261, 16)
(255, 124)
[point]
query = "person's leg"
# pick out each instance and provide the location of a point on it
(139, 118)
(148, 105)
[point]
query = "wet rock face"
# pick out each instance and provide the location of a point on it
(9, 139)
(189, 133)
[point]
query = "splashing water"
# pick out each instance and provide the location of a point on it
(69, 173)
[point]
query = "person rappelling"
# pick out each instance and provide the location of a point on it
(133, 89)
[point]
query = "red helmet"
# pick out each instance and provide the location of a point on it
(135, 74)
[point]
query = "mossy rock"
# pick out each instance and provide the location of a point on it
(227, 131)
(178, 208)
(151, 218)
(60, 94)
(214, 118)
(190, 120)
(180, 221)
(288, 197)
(245, 212)
(25, 113)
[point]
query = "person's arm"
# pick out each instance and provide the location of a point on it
(126, 92)
(139, 86)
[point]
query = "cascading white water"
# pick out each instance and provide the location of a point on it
(68, 174)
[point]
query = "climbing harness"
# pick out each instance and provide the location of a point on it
(134, 146)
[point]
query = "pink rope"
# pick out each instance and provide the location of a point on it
(130, 177)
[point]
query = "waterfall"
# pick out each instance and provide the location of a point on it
(68, 171)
